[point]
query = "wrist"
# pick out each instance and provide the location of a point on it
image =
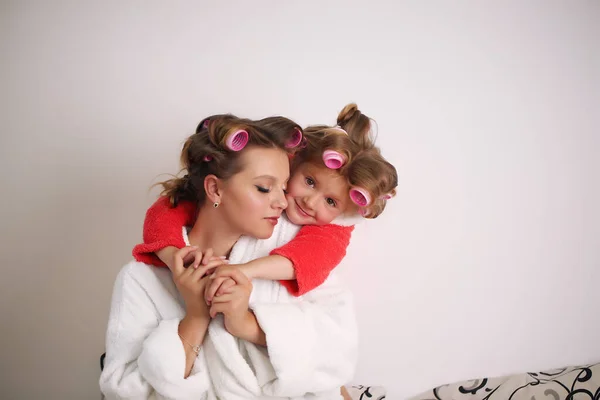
(238, 325)
(248, 270)
(247, 326)
(253, 332)
(192, 331)
(194, 321)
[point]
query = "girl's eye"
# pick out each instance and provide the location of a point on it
(262, 189)
(310, 181)
(331, 202)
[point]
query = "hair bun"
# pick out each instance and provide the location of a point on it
(347, 114)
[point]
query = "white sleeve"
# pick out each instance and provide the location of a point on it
(144, 354)
(312, 341)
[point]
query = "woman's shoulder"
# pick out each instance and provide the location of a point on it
(285, 230)
(143, 275)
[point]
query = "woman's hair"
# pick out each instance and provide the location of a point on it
(207, 151)
(364, 167)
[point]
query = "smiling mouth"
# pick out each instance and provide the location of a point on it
(302, 210)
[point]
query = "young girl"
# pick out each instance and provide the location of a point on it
(338, 175)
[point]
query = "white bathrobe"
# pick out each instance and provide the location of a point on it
(311, 340)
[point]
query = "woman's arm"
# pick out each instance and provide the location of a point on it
(312, 342)
(192, 332)
(144, 353)
(239, 320)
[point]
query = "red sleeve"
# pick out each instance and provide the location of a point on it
(315, 252)
(162, 228)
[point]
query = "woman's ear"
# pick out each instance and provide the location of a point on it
(212, 188)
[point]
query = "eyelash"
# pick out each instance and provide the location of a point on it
(331, 202)
(310, 181)
(262, 189)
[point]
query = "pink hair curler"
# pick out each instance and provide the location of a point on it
(295, 140)
(360, 197)
(206, 123)
(386, 196)
(207, 158)
(237, 141)
(339, 128)
(333, 159)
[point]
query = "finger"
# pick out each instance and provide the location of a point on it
(188, 259)
(208, 254)
(222, 299)
(234, 273)
(214, 286)
(197, 259)
(180, 254)
(206, 292)
(226, 287)
(217, 308)
(202, 270)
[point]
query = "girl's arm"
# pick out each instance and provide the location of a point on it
(163, 231)
(301, 265)
(313, 254)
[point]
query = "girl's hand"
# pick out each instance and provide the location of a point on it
(195, 257)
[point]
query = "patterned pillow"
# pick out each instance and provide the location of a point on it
(571, 383)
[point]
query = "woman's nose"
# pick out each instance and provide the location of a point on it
(281, 201)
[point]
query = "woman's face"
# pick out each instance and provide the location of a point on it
(253, 199)
(316, 195)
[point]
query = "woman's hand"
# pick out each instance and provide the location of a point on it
(191, 281)
(239, 320)
(221, 284)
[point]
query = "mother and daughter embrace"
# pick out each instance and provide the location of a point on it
(234, 293)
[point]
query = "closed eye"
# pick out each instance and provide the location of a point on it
(262, 189)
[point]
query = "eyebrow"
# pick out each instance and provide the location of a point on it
(270, 177)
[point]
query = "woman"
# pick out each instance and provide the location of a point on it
(161, 340)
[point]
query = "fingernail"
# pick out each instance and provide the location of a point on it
(223, 257)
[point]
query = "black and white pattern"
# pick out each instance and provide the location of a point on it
(571, 383)
(360, 392)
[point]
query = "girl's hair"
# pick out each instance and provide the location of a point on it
(206, 151)
(364, 166)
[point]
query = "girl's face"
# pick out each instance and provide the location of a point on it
(254, 198)
(316, 195)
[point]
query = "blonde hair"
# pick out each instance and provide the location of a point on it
(364, 166)
(206, 152)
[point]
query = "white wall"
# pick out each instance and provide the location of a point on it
(486, 263)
